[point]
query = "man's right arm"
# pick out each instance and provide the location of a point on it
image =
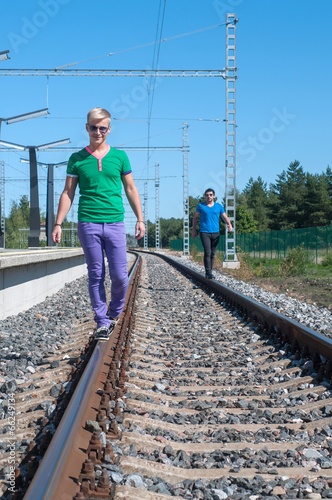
(66, 200)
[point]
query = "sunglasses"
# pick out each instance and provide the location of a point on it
(102, 130)
(209, 194)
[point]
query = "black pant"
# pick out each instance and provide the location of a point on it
(210, 243)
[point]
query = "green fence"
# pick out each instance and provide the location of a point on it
(178, 244)
(317, 241)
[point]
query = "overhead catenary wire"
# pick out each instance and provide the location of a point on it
(152, 84)
(141, 120)
(155, 61)
(149, 137)
(200, 30)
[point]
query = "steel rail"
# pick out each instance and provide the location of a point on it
(271, 320)
(51, 469)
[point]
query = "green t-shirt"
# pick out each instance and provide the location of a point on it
(100, 185)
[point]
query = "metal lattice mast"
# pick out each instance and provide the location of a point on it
(157, 181)
(185, 144)
(168, 73)
(145, 210)
(230, 161)
(2, 204)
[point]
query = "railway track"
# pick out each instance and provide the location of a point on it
(200, 393)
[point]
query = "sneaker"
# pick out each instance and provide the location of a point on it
(209, 276)
(112, 325)
(102, 333)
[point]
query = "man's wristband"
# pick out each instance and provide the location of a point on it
(140, 221)
(57, 225)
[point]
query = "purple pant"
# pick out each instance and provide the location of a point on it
(95, 238)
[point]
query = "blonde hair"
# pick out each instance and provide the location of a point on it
(98, 113)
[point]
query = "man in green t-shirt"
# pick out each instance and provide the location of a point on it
(100, 171)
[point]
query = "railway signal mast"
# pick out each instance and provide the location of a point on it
(185, 148)
(156, 184)
(230, 259)
(145, 217)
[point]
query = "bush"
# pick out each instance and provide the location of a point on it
(327, 260)
(245, 272)
(196, 255)
(295, 263)
(266, 271)
(260, 267)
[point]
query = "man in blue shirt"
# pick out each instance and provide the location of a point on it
(210, 213)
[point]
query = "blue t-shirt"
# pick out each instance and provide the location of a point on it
(209, 222)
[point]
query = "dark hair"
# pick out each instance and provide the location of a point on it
(209, 189)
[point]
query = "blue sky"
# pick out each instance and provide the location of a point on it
(283, 88)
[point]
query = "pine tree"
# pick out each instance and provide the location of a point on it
(287, 198)
(328, 176)
(256, 195)
(318, 205)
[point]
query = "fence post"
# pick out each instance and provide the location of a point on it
(316, 245)
(327, 240)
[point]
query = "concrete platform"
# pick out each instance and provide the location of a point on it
(27, 277)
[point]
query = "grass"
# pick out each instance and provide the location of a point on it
(296, 275)
(297, 263)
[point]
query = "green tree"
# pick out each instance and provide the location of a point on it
(245, 221)
(287, 200)
(193, 202)
(170, 229)
(18, 219)
(318, 204)
(257, 200)
(328, 176)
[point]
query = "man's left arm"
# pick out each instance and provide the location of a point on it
(135, 203)
(227, 221)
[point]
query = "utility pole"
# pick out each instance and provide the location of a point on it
(49, 197)
(230, 259)
(156, 183)
(185, 146)
(145, 210)
(33, 239)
